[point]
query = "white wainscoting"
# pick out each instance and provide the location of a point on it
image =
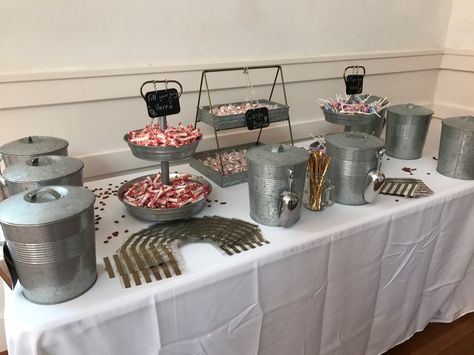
(454, 95)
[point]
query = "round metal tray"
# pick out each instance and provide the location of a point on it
(349, 119)
(164, 214)
(162, 153)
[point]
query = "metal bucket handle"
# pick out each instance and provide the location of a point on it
(7, 267)
(40, 195)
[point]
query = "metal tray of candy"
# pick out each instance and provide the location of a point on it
(155, 153)
(223, 180)
(165, 214)
(276, 112)
(366, 123)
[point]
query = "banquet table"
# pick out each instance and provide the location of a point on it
(346, 280)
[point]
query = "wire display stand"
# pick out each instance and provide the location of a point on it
(278, 112)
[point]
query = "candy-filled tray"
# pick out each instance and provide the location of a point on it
(235, 170)
(232, 115)
(175, 208)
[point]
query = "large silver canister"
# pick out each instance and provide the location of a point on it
(269, 167)
(42, 171)
(50, 235)
(32, 146)
(354, 155)
(456, 148)
(407, 127)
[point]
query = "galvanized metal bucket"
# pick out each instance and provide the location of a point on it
(456, 148)
(50, 235)
(407, 127)
(354, 155)
(268, 169)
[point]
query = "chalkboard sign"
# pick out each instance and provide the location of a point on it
(354, 84)
(257, 118)
(162, 102)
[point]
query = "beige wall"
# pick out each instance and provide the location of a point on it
(90, 34)
(460, 33)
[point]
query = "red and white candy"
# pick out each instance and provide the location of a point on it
(152, 193)
(153, 136)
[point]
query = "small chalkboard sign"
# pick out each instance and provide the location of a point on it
(354, 84)
(162, 102)
(257, 118)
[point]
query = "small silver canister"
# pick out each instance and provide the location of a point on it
(456, 148)
(269, 168)
(50, 236)
(354, 155)
(407, 127)
(32, 146)
(42, 171)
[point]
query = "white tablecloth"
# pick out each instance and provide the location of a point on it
(348, 280)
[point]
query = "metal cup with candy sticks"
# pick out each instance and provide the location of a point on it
(319, 191)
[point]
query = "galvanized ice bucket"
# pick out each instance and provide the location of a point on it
(354, 156)
(407, 127)
(50, 236)
(456, 148)
(269, 167)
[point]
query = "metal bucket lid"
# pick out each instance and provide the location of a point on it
(33, 145)
(465, 123)
(43, 168)
(276, 155)
(44, 205)
(406, 112)
(353, 146)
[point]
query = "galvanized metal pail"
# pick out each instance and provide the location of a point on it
(456, 148)
(354, 155)
(407, 127)
(50, 235)
(268, 176)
